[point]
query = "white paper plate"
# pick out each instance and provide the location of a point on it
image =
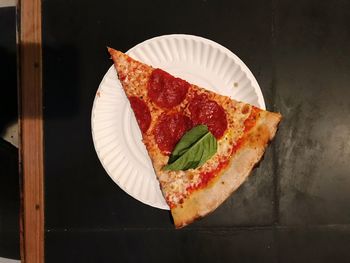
(115, 133)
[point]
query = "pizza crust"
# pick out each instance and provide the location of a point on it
(206, 200)
(189, 206)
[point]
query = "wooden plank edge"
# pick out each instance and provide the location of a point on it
(31, 131)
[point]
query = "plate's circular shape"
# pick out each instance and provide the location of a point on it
(115, 133)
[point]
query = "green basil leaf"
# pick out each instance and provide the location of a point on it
(194, 149)
(187, 140)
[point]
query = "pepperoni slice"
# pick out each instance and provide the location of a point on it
(165, 90)
(208, 112)
(169, 130)
(142, 113)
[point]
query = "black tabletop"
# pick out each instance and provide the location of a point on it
(9, 176)
(295, 205)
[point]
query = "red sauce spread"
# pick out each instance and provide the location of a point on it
(142, 113)
(169, 130)
(121, 76)
(205, 177)
(249, 123)
(165, 90)
(208, 112)
(169, 202)
(251, 120)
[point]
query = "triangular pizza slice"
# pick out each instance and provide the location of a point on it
(202, 145)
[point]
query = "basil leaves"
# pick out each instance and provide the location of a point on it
(194, 149)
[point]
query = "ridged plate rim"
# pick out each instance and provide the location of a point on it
(111, 72)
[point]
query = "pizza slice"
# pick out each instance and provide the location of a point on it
(202, 145)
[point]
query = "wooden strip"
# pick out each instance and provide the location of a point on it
(31, 128)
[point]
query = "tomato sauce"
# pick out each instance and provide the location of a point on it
(205, 177)
(249, 123)
(251, 120)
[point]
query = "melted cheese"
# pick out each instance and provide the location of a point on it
(175, 185)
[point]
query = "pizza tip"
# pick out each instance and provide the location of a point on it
(110, 51)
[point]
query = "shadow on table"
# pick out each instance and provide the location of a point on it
(9, 201)
(9, 175)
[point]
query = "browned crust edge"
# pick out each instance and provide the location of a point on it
(206, 200)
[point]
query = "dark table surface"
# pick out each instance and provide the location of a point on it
(295, 205)
(9, 176)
